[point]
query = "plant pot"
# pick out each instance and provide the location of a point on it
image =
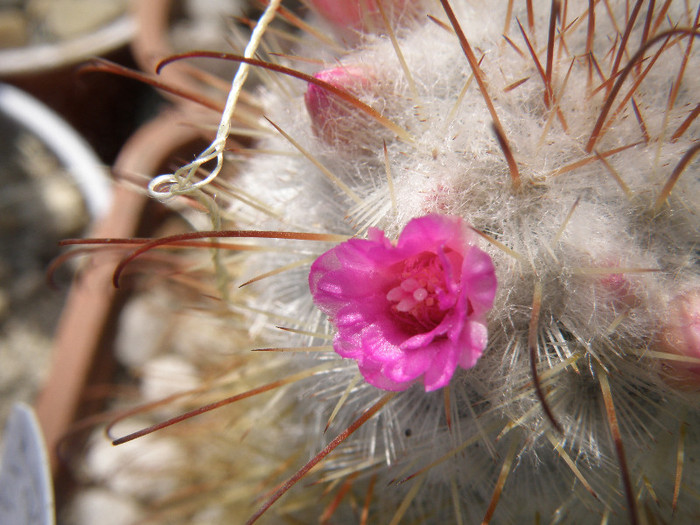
(81, 354)
(53, 186)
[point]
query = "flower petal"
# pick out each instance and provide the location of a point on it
(472, 343)
(413, 364)
(479, 280)
(442, 367)
(432, 231)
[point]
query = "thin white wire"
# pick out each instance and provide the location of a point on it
(165, 186)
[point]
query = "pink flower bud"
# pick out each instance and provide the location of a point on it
(681, 334)
(333, 119)
(411, 311)
(620, 288)
(360, 15)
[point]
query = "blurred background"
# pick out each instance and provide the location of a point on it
(62, 128)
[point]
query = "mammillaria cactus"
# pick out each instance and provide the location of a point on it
(553, 143)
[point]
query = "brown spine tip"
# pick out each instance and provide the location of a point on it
(532, 347)
(619, 446)
(510, 159)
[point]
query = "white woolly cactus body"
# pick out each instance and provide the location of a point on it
(581, 183)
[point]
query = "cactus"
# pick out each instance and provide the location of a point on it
(564, 135)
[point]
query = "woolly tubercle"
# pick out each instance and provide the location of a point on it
(333, 120)
(410, 311)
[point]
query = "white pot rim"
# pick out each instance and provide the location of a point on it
(89, 173)
(42, 57)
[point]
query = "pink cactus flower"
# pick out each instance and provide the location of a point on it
(410, 311)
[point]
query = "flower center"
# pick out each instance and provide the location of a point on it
(415, 300)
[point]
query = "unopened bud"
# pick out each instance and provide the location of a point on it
(335, 120)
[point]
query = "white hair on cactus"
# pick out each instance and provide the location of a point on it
(573, 413)
(586, 234)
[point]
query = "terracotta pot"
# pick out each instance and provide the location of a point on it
(81, 353)
(52, 184)
(82, 346)
(153, 42)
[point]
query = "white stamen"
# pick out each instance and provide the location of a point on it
(395, 294)
(420, 294)
(406, 304)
